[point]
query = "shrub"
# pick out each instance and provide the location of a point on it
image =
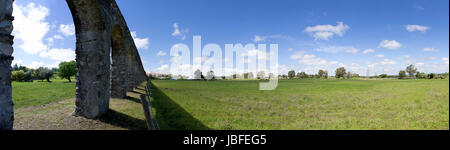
(18, 76)
(402, 74)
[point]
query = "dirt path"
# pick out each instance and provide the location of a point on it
(124, 114)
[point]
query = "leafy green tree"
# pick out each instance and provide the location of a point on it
(18, 75)
(261, 75)
(67, 70)
(421, 75)
(340, 72)
(302, 75)
(322, 74)
(411, 69)
(43, 73)
(245, 75)
(210, 75)
(402, 74)
(291, 74)
(431, 76)
(349, 75)
(29, 75)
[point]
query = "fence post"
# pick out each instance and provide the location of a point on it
(148, 118)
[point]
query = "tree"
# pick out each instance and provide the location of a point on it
(411, 69)
(43, 73)
(383, 76)
(198, 74)
(431, 76)
(323, 74)
(271, 76)
(355, 75)
(349, 75)
(340, 72)
(302, 75)
(210, 75)
(29, 75)
(291, 74)
(402, 74)
(250, 75)
(421, 75)
(245, 75)
(67, 70)
(18, 75)
(261, 75)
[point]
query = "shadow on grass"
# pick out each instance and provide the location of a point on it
(171, 116)
(136, 100)
(122, 120)
(136, 92)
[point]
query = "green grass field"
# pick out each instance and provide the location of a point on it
(37, 92)
(303, 104)
(295, 104)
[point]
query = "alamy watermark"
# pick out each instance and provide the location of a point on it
(235, 62)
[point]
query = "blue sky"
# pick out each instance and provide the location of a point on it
(365, 36)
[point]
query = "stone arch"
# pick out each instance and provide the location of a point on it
(101, 30)
(120, 63)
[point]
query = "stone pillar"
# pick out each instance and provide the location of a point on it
(93, 58)
(6, 50)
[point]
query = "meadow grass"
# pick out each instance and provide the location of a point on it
(303, 104)
(37, 93)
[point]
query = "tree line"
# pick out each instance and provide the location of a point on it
(65, 70)
(411, 72)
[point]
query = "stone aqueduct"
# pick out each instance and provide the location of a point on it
(101, 30)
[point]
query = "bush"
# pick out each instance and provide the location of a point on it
(29, 76)
(18, 76)
(421, 75)
(383, 75)
(431, 76)
(402, 74)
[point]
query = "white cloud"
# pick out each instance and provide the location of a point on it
(261, 55)
(380, 56)
(338, 49)
(141, 43)
(161, 53)
(445, 60)
(59, 54)
(67, 30)
(35, 65)
(412, 28)
(259, 38)
(325, 32)
(387, 62)
(179, 32)
(30, 27)
(311, 60)
(54, 65)
(420, 64)
(390, 44)
(367, 51)
(17, 61)
(163, 68)
(430, 50)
